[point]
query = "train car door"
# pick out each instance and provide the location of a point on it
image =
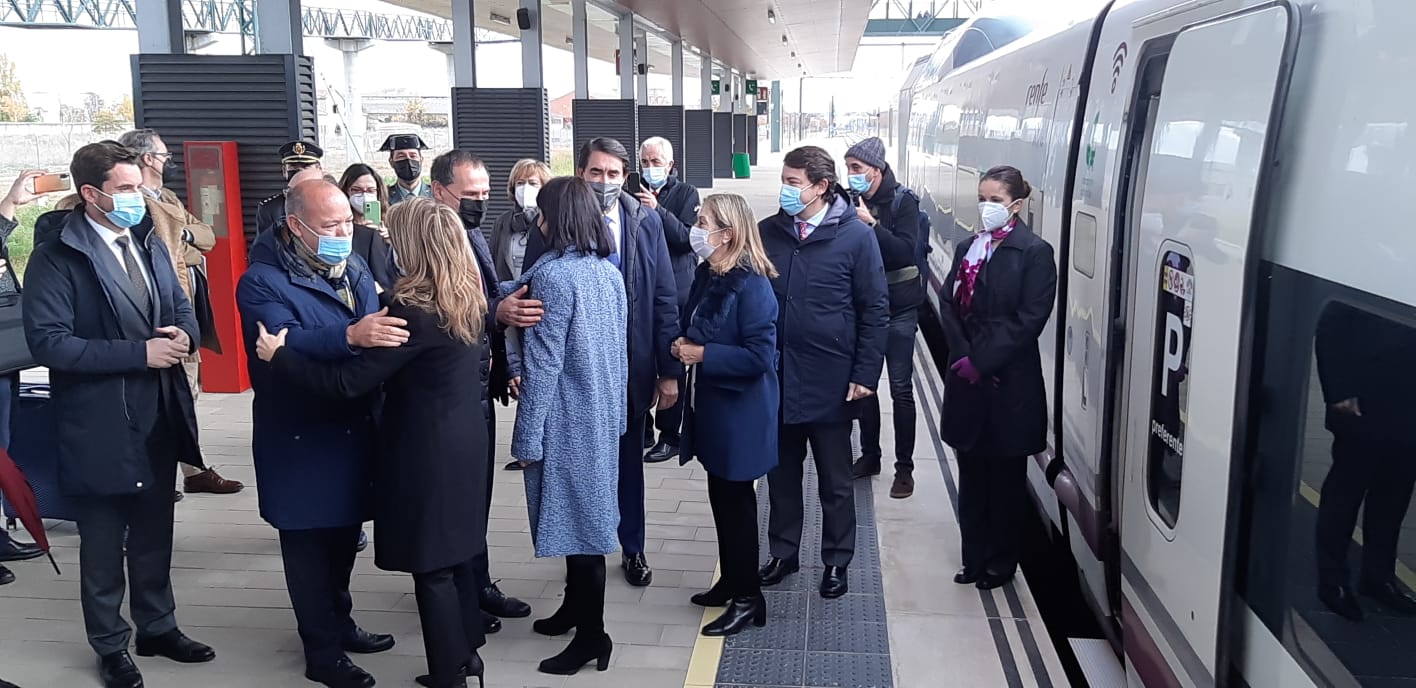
(1199, 134)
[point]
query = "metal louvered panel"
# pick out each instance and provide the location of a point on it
(261, 102)
(739, 133)
(723, 145)
(696, 161)
(665, 121)
(752, 139)
(501, 126)
(616, 119)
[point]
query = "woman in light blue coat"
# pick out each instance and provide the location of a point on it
(571, 412)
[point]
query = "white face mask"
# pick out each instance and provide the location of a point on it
(526, 195)
(698, 239)
(359, 201)
(993, 215)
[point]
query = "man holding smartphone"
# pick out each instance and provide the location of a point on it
(187, 239)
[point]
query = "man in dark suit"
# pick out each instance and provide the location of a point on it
(642, 255)
(461, 182)
(294, 157)
(676, 203)
(104, 312)
(313, 454)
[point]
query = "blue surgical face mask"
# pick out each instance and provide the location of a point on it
(331, 250)
(860, 183)
(790, 199)
(128, 209)
(655, 176)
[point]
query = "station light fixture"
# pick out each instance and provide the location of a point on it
(501, 19)
(771, 16)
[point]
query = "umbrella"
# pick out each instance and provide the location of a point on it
(18, 492)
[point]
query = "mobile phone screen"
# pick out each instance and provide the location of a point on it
(50, 183)
(373, 213)
(632, 184)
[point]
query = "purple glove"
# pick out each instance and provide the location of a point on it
(964, 368)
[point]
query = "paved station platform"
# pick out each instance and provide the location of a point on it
(904, 623)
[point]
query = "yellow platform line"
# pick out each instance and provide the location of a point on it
(707, 652)
(1403, 573)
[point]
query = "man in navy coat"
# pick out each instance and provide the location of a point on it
(833, 312)
(103, 311)
(312, 453)
(642, 256)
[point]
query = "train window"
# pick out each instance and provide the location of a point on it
(1084, 244)
(1165, 453)
(1328, 539)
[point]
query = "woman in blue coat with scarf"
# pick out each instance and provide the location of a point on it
(729, 345)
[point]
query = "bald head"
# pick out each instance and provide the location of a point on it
(317, 208)
(308, 174)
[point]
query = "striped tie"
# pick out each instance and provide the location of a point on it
(802, 228)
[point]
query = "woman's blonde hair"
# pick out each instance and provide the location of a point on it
(526, 168)
(439, 270)
(731, 211)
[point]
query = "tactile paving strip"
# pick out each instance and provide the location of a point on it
(810, 642)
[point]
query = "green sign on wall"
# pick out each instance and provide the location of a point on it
(716, 86)
(752, 86)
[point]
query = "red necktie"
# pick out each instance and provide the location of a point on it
(801, 229)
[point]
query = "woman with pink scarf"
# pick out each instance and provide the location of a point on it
(995, 302)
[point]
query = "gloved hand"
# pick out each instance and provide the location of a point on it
(964, 368)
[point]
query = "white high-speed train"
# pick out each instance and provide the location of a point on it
(1214, 175)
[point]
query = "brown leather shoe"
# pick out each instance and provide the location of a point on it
(903, 486)
(209, 481)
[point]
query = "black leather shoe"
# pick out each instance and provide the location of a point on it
(1392, 596)
(833, 582)
(177, 496)
(6, 576)
(490, 624)
(362, 642)
(175, 646)
(18, 551)
(966, 576)
(989, 581)
(663, 451)
(118, 671)
(636, 570)
(740, 612)
(1342, 601)
(514, 465)
(776, 570)
(716, 596)
(866, 467)
(580, 652)
(341, 674)
(363, 541)
(496, 603)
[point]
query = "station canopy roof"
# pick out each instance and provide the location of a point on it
(802, 38)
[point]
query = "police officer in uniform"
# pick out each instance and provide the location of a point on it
(405, 155)
(294, 156)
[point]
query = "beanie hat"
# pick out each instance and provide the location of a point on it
(871, 151)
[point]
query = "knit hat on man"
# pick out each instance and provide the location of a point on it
(871, 151)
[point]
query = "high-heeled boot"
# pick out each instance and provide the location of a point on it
(590, 642)
(563, 621)
(474, 667)
(740, 611)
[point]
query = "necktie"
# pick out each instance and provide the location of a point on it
(135, 275)
(801, 229)
(614, 243)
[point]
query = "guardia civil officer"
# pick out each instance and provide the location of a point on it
(294, 157)
(405, 155)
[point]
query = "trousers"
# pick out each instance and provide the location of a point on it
(1367, 476)
(831, 449)
(992, 500)
(734, 505)
(631, 486)
(318, 564)
(899, 364)
(450, 613)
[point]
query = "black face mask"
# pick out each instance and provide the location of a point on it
(471, 211)
(172, 171)
(290, 173)
(408, 170)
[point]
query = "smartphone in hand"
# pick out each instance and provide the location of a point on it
(51, 183)
(373, 213)
(633, 184)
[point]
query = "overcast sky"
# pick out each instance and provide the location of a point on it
(56, 64)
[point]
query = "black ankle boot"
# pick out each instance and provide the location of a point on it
(473, 668)
(581, 651)
(740, 611)
(559, 623)
(715, 596)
